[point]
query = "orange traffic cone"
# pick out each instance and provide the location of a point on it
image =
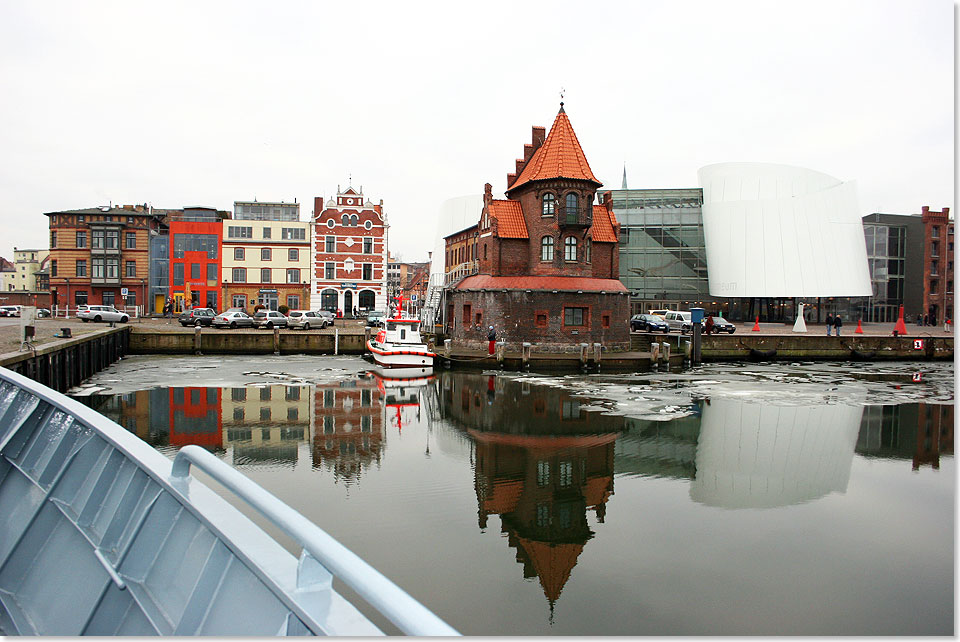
(756, 325)
(859, 329)
(901, 327)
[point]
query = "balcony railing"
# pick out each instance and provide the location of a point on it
(579, 217)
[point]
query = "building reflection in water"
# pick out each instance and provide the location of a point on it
(763, 456)
(264, 424)
(346, 423)
(919, 432)
(541, 463)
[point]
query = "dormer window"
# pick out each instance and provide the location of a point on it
(549, 204)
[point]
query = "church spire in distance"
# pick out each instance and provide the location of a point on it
(624, 184)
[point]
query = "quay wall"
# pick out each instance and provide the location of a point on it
(245, 342)
(737, 347)
(66, 363)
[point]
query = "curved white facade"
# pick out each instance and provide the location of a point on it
(781, 231)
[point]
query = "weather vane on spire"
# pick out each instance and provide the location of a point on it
(562, 92)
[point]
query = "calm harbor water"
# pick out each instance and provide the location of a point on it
(735, 499)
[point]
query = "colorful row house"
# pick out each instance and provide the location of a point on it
(349, 254)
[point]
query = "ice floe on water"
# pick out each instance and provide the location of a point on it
(662, 396)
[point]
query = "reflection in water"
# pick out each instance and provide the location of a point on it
(545, 461)
(762, 456)
(541, 463)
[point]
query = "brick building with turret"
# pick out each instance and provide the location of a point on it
(548, 260)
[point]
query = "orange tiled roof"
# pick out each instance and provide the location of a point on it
(510, 217)
(566, 283)
(560, 156)
(603, 225)
(553, 563)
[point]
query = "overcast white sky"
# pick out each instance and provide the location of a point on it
(204, 103)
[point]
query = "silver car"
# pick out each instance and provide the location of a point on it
(270, 319)
(97, 313)
(305, 319)
(233, 319)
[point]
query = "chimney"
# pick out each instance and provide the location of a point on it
(925, 209)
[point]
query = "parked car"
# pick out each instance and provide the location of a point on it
(233, 318)
(648, 323)
(375, 318)
(10, 310)
(659, 313)
(679, 321)
(97, 313)
(328, 315)
(721, 325)
(197, 316)
(305, 319)
(43, 313)
(269, 318)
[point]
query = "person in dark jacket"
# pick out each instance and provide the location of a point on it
(829, 323)
(492, 339)
(837, 324)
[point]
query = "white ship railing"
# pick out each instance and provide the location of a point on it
(126, 542)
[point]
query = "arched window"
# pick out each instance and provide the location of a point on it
(354, 220)
(572, 208)
(549, 203)
(345, 219)
(546, 248)
(570, 248)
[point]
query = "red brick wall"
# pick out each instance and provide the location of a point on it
(514, 315)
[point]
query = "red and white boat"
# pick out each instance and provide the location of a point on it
(398, 344)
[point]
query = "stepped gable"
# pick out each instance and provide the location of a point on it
(604, 225)
(560, 156)
(509, 217)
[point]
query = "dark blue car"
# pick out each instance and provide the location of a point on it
(648, 323)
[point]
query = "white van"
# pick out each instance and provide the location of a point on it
(679, 321)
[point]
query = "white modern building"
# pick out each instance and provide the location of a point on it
(781, 231)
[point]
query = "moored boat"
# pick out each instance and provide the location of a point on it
(399, 345)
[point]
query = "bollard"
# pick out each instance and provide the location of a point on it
(446, 346)
(276, 340)
(597, 352)
(525, 354)
(196, 340)
(366, 335)
(655, 352)
(501, 349)
(687, 350)
(583, 355)
(665, 353)
(336, 341)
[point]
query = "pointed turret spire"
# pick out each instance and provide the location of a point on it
(560, 156)
(624, 185)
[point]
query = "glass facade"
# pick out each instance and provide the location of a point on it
(245, 211)
(662, 254)
(886, 254)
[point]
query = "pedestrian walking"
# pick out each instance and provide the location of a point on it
(829, 323)
(491, 339)
(708, 326)
(837, 324)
